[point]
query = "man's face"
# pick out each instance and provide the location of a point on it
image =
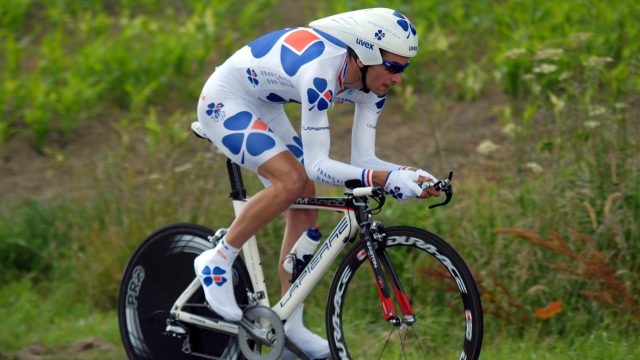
(380, 78)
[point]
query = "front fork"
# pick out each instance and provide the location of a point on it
(373, 237)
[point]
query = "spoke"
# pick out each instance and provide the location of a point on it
(429, 289)
(421, 345)
(386, 343)
(402, 353)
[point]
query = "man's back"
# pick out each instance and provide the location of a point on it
(291, 65)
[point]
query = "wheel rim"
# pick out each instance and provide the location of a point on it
(443, 322)
(159, 271)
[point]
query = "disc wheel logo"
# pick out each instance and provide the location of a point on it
(133, 289)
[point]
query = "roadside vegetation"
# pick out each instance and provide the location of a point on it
(547, 190)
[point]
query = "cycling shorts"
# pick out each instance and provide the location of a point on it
(246, 130)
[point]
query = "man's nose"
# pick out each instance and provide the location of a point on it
(396, 78)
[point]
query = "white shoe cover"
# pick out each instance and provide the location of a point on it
(313, 345)
(217, 281)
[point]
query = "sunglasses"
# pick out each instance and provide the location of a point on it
(394, 67)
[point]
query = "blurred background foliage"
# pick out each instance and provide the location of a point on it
(546, 212)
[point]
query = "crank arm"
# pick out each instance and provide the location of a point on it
(258, 334)
(296, 350)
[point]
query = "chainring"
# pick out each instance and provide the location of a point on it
(270, 334)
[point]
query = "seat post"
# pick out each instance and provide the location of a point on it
(238, 191)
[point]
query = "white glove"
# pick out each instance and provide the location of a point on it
(427, 175)
(401, 184)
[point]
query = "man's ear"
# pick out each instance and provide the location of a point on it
(359, 63)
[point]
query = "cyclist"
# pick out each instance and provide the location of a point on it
(353, 57)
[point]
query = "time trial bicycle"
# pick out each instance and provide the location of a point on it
(399, 292)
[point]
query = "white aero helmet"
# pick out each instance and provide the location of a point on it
(369, 30)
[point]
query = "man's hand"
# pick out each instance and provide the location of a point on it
(426, 177)
(402, 184)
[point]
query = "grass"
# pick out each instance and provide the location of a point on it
(598, 345)
(564, 158)
(30, 318)
(34, 313)
(107, 59)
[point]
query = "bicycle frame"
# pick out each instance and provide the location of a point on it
(191, 321)
(326, 253)
(356, 217)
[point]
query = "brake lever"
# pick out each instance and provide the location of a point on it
(445, 186)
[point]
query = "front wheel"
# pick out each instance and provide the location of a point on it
(447, 321)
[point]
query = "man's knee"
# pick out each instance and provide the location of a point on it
(296, 183)
(287, 175)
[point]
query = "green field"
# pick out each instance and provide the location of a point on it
(533, 104)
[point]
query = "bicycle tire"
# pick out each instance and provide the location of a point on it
(441, 290)
(159, 270)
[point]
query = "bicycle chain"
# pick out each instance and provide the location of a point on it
(231, 352)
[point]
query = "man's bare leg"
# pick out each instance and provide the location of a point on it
(288, 182)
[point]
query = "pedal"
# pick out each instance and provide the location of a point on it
(217, 236)
(176, 330)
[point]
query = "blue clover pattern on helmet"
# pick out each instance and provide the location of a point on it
(296, 149)
(252, 137)
(253, 77)
(319, 95)
(215, 111)
(395, 193)
(405, 24)
(379, 35)
(299, 48)
(262, 45)
(213, 276)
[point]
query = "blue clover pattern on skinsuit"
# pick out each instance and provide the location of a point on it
(405, 24)
(253, 77)
(331, 39)
(273, 97)
(380, 103)
(379, 35)
(296, 149)
(213, 276)
(395, 193)
(319, 95)
(262, 45)
(299, 48)
(252, 137)
(215, 111)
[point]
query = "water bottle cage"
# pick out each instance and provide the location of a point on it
(298, 265)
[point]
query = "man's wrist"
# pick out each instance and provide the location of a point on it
(380, 177)
(408, 168)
